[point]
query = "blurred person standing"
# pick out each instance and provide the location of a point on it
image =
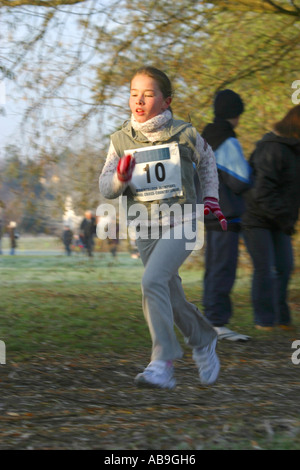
(67, 239)
(12, 236)
(88, 231)
(1, 233)
(270, 218)
(221, 255)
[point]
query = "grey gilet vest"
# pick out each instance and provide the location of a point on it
(175, 131)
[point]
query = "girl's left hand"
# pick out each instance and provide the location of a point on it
(211, 205)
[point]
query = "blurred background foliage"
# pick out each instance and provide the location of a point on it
(67, 67)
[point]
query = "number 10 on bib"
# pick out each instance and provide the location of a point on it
(157, 173)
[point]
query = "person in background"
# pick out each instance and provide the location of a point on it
(88, 231)
(1, 233)
(67, 239)
(12, 236)
(270, 219)
(221, 255)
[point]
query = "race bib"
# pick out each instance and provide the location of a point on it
(157, 173)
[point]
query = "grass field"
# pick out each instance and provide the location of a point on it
(71, 303)
(75, 304)
(29, 242)
(56, 306)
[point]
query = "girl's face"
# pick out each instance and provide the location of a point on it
(146, 100)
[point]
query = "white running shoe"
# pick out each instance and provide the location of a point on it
(225, 333)
(157, 374)
(208, 363)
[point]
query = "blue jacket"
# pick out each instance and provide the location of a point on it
(234, 178)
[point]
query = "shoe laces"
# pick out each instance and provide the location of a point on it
(159, 367)
(206, 353)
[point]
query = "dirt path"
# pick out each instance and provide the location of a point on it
(90, 402)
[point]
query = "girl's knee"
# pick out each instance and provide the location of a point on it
(148, 282)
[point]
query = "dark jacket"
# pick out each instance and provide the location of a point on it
(67, 236)
(13, 237)
(273, 202)
(233, 170)
(88, 228)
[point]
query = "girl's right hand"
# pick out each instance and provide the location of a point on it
(125, 168)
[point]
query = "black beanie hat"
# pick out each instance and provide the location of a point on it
(228, 104)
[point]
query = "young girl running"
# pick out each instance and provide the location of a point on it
(164, 302)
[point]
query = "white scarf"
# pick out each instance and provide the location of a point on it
(152, 128)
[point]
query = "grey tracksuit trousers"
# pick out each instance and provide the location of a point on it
(164, 302)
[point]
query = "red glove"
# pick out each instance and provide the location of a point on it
(125, 168)
(211, 204)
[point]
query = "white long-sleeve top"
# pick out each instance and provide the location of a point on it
(111, 187)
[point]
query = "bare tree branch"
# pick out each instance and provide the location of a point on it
(286, 11)
(258, 6)
(39, 3)
(73, 64)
